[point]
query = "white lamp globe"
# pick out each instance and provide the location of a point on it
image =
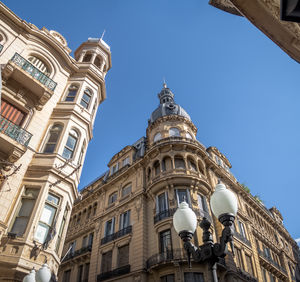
(43, 274)
(223, 201)
(184, 219)
(30, 277)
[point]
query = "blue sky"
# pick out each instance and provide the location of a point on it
(239, 88)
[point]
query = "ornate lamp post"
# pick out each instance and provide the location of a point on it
(224, 206)
(43, 275)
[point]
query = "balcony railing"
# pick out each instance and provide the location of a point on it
(1, 48)
(14, 131)
(242, 238)
(116, 235)
(169, 256)
(246, 275)
(271, 261)
(113, 273)
(77, 253)
(33, 71)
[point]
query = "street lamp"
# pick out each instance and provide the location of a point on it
(224, 206)
(43, 275)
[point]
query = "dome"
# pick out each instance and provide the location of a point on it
(167, 106)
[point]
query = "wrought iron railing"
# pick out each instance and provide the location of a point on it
(179, 139)
(246, 275)
(113, 273)
(33, 71)
(271, 261)
(242, 238)
(165, 257)
(77, 253)
(116, 235)
(14, 131)
(170, 212)
(1, 48)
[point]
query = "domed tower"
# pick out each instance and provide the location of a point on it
(175, 171)
(169, 119)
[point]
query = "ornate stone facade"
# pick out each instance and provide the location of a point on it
(121, 227)
(48, 106)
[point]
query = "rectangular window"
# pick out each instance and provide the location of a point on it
(162, 202)
(126, 161)
(110, 227)
(249, 264)
(242, 228)
(183, 195)
(165, 243)
(84, 241)
(112, 198)
(61, 230)
(239, 259)
(202, 204)
(66, 276)
(167, 278)
(24, 211)
(80, 273)
(91, 238)
(193, 277)
(86, 272)
(124, 220)
(264, 274)
(123, 255)
(47, 218)
(86, 98)
(126, 190)
(106, 262)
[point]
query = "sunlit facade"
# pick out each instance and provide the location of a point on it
(121, 228)
(49, 102)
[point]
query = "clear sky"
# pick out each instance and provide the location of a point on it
(240, 89)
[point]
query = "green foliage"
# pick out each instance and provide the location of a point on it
(246, 188)
(258, 199)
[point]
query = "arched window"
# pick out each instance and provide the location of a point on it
(166, 164)
(201, 167)
(156, 168)
(192, 165)
(174, 132)
(52, 138)
(87, 58)
(72, 91)
(97, 62)
(126, 190)
(188, 135)
(179, 162)
(70, 145)
(39, 64)
(86, 98)
(149, 174)
(157, 137)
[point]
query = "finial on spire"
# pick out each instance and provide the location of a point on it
(164, 84)
(103, 34)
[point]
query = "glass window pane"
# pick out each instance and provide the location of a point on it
(53, 199)
(19, 226)
(71, 142)
(26, 208)
(67, 154)
(41, 232)
(48, 214)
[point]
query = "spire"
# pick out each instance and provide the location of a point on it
(166, 95)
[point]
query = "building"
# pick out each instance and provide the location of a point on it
(121, 227)
(48, 106)
(265, 15)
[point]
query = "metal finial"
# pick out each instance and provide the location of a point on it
(103, 34)
(164, 84)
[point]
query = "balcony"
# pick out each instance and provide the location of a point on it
(116, 235)
(113, 273)
(242, 238)
(13, 139)
(78, 253)
(167, 257)
(1, 48)
(271, 261)
(178, 139)
(38, 83)
(247, 276)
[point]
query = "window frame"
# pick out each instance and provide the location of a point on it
(48, 137)
(75, 135)
(86, 103)
(73, 88)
